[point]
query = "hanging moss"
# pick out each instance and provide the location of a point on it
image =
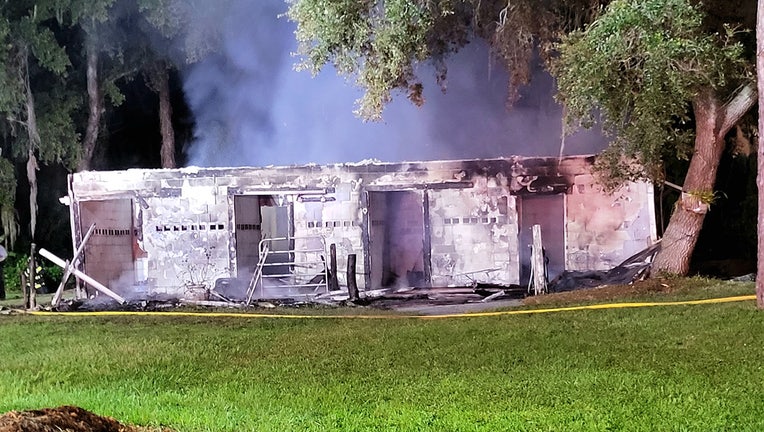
(8, 222)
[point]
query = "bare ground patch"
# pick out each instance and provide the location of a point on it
(65, 418)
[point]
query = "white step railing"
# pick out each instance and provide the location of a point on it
(297, 269)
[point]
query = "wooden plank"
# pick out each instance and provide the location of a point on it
(538, 265)
(82, 276)
(70, 266)
(31, 297)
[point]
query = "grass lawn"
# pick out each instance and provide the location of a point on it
(657, 368)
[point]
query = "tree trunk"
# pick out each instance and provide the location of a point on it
(712, 122)
(760, 154)
(95, 104)
(162, 85)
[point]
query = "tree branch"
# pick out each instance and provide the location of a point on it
(123, 74)
(743, 100)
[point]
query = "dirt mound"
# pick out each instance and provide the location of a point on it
(65, 418)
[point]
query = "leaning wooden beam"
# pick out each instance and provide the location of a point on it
(82, 276)
(31, 298)
(70, 266)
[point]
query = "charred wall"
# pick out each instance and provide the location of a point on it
(452, 222)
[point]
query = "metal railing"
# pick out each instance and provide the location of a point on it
(286, 269)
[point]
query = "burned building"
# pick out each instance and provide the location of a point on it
(439, 223)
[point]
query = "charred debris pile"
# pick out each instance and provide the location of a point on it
(390, 298)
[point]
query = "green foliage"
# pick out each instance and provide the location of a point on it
(30, 33)
(165, 15)
(86, 12)
(637, 68)
(379, 43)
(112, 91)
(186, 25)
(34, 99)
(56, 109)
(13, 268)
(7, 183)
(707, 197)
(669, 368)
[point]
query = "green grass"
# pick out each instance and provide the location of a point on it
(660, 368)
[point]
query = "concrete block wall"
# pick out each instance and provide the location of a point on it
(337, 221)
(187, 238)
(473, 236)
(603, 229)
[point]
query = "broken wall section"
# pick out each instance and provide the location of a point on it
(603, 229)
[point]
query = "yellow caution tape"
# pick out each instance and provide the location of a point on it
(458, 315)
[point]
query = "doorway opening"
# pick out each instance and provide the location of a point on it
(111, 253)
(397, 239)
(260, 217)
(549, 212)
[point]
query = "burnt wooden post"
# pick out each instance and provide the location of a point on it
(352, 286)
(537, 262)
(24, 289)
(31, 298)
(334, 284)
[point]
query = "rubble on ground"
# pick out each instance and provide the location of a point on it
(387, 298)
(636, 267)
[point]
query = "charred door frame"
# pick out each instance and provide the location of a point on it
(233, 192)
(426, 237)
(563, 198)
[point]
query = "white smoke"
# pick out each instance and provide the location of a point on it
(252, 108)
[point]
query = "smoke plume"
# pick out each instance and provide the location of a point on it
(252, 108)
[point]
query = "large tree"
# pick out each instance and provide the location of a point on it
(664, 86)
(659, 74)
(113, 51)
(187, 35)
(93, 18)
(36, 105)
